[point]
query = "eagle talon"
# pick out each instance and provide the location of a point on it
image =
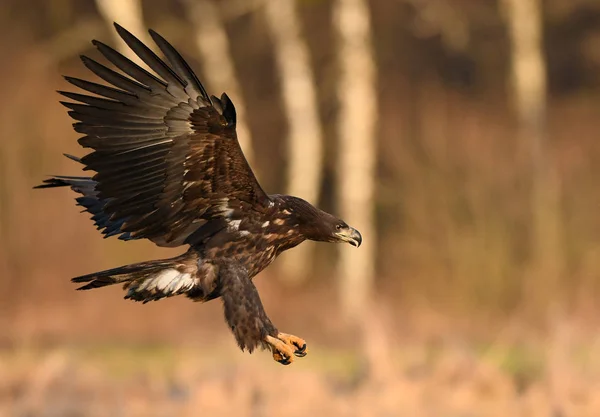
(294, 342)
(282, 352)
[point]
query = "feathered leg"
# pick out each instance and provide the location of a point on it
(248, 320)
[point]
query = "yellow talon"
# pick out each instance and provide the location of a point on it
(282, 353)
(285, 346)
(296, 343)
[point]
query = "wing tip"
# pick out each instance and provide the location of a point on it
(51, 182)
(85, 59)
(70, 80)
(123, 33)
(73, 157)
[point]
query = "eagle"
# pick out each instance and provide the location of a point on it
(167, 167)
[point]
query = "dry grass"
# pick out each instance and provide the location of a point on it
(560, 377)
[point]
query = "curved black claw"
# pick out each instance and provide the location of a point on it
(285, 361)
(300, 351)
(282, 359)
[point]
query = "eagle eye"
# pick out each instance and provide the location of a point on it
(338, 227)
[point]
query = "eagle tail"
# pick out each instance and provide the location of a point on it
(148, 281)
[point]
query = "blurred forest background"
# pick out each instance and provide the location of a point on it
(460, 137)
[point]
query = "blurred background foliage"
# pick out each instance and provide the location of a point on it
(457, 253)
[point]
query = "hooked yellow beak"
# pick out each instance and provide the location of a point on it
(350, 235)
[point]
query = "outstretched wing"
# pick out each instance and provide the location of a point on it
(167, 161)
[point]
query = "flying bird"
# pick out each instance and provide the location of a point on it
(168, 167)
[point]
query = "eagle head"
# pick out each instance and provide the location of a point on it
(318, 225)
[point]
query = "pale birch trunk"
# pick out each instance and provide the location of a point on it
(529, 85)
(301, 108)
(215, 56)
(528, 76)
(357, 150)
(127, 13)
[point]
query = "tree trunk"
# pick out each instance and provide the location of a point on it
(215, 54)
(524, 20)
(129, 15)
(304, 130)
(357, 149)
(528, 76)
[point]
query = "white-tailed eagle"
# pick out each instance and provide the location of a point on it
(168, 168)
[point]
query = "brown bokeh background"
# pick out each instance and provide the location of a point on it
(473, 313)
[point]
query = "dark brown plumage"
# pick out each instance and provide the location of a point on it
(168, 168)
